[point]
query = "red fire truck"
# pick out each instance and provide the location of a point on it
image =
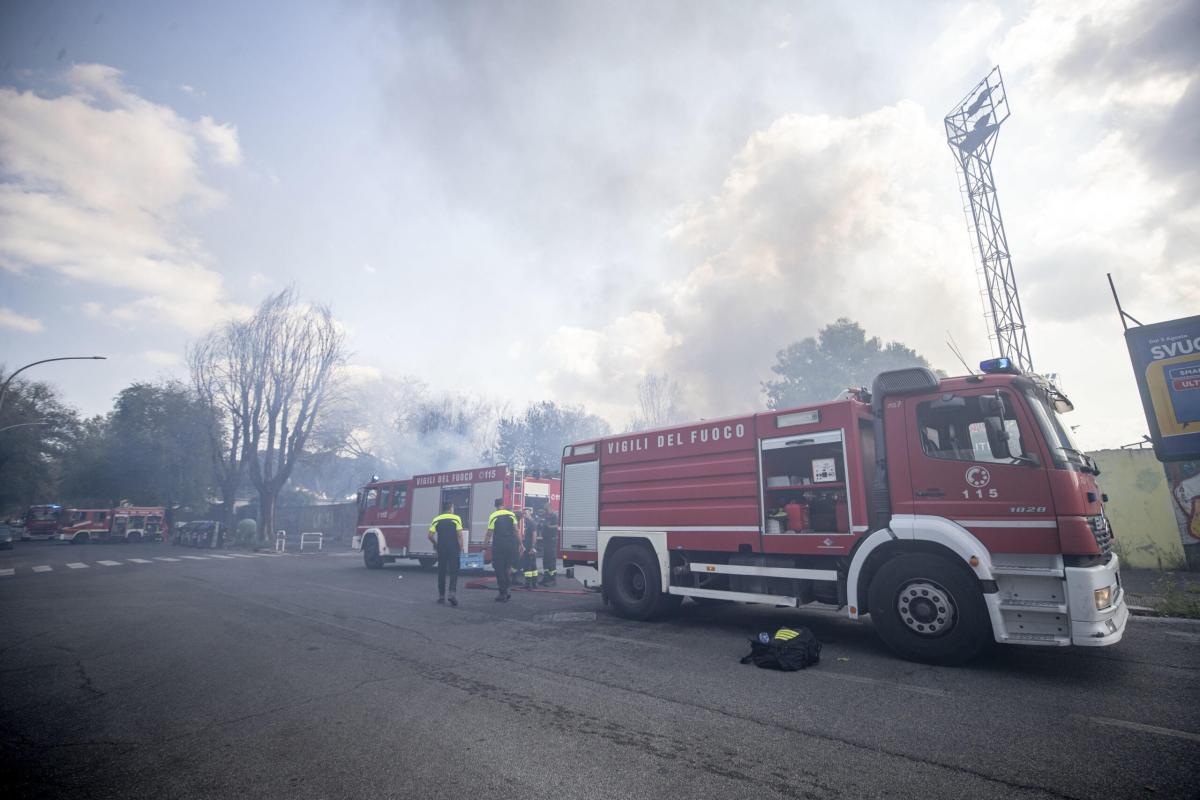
(121, 524)
(953, 512)
(394, 516)
(41, 521)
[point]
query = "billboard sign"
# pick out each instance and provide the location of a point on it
(1166, 363)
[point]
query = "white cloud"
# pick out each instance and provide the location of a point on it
(222, 139)
(601, 367)
(96, 183)
(161, 358)
(358, 374)
(818, 217)
(19, 322)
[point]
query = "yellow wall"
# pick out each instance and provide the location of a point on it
(1139, 508)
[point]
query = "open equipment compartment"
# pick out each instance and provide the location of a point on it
(804, 484)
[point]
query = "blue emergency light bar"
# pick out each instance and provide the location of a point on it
(994, 366)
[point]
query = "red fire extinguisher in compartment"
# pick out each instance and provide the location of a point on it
(797, 515)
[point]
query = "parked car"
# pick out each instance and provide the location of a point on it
(7, 535)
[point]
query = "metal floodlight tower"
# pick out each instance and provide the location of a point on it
(971, 131)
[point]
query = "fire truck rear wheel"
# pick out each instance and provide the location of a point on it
(371, 557)
(928, 609)
(635, 584)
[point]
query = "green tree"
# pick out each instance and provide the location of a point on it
(36, 434)
(88, 481)
(159, 445)
(818, 369)
(536, 438)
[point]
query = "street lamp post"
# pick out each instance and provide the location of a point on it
(22, 425)
(4, 387)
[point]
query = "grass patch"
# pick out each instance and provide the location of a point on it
(1178, 601)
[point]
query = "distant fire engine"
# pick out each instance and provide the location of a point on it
(394, 516)
(953, 511)
(41, 521)
(121, 524)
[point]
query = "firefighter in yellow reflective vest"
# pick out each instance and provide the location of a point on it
(445, 532)
(502, 535)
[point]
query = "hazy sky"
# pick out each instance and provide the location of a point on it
(546, 200)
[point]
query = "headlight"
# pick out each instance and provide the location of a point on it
(1104, 598)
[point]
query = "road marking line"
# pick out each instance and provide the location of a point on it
(164, 558)
(141, 561)
(1138, 726)
(43, 568)
(110, 563)
(77, 565)
(197, 558)
(5, 573)
(214, 555)
(240, 555)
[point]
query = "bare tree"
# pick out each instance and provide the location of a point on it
(220, 370)
(266, 380)
(660, 402)
(295, 350)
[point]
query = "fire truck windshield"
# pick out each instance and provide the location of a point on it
(43, 513)
(1057, 432)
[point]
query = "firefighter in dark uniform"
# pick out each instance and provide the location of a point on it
(549, 531)
(528, 523)
(529, 569)
(445, 533)
(502, 534)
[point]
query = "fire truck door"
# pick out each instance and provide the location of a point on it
(580, 506)
(483, 503)
(1004, 501)
(426, 503)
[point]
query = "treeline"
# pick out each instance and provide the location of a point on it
(270, 415)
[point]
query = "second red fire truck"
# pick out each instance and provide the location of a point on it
(394, 516)
(129, 524)
(954, 512)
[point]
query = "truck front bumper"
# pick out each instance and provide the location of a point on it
(1092, 626)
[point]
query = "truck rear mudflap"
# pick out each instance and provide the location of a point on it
(1097, 604)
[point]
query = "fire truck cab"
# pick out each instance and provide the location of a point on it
(394, 516)
(41, 521)
(954, 512)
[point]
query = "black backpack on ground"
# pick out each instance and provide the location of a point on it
(788, 650)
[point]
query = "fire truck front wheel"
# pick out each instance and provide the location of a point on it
(371, 557)
(634, 584)
(927, 609)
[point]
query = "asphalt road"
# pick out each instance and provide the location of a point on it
(310, 676)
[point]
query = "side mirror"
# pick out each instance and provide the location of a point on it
(991, 406)
(997, 437)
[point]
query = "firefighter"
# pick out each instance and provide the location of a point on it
(528, 523)
(549, 532)
(529, 570)
(445, 534)
(502, 534)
